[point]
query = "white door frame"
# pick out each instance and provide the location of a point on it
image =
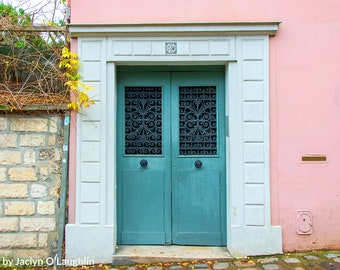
(244, 50)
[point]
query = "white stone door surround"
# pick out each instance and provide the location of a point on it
(244, 50)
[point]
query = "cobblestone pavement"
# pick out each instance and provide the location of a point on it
(295, 261)
(319, 260)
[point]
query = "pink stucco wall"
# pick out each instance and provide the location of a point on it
(72, 156)
(304, 96)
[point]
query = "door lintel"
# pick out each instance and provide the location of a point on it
(170, 29)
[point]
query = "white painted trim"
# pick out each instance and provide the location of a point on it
(91, 242)
(242, 239)
(250, 241)
(111, 102)
(127, 50)
(111, 156)
(247, 64)
(169, 29)
(92, 235)
(235, 193)
(267, 134)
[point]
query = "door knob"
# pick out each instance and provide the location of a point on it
(143, 163)
(198, 164)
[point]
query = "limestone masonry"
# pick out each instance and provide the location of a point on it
(30, 177)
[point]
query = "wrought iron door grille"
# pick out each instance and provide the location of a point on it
(143, 120)
(197, 120)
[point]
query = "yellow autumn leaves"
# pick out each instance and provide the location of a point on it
(78, 90)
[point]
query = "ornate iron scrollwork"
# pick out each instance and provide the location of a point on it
(197, 120)
(143, 120)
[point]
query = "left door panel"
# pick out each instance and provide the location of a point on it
(143, 172)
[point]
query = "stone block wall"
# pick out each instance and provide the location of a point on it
(30, 177)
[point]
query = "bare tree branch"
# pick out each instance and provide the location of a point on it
(30, 56)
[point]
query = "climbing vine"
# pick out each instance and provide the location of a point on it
(79, 98)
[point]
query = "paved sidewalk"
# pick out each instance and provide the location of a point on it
(295, 261)
(314, 260)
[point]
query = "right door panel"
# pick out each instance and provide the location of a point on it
(198, 158)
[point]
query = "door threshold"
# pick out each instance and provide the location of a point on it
(129, 255)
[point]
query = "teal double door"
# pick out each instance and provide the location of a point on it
(171, 161)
